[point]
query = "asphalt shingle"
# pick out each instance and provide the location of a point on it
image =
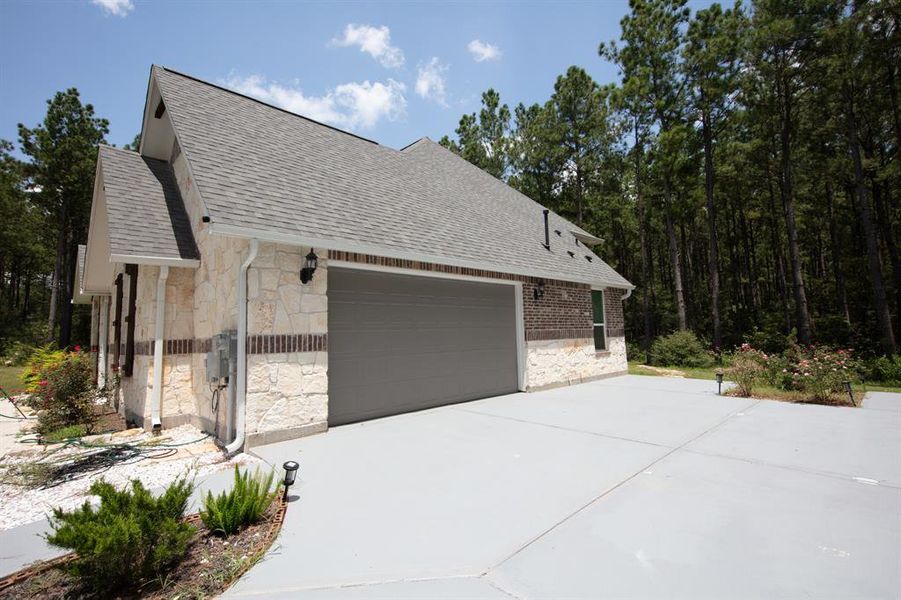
(145, 211)
(262, 168)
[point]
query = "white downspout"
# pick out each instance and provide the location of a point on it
(156, 398)
(102, 341)
(241, 387)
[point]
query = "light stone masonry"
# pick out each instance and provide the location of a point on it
(563, 362)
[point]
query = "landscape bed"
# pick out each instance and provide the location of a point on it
(211, 565)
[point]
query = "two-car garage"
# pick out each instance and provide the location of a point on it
(399, 343)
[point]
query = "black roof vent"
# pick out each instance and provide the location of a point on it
(588, 258)
(557, 231)
(571, 254)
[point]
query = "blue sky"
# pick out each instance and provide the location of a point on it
(392, 72)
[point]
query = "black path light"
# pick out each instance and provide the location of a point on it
(291, 468)
(719, 383)
(310, 263)
(847, 385)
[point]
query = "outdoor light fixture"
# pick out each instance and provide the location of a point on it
(847, 386)
(719, 383)
(539, 290)
(291, 468)
(306, 273)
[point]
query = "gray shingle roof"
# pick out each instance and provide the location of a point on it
(146, 215)
(262, 168)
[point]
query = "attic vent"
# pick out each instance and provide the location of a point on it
(547, 237)
(160, 109)
(588, 258)
(571, 254)
(557, 231)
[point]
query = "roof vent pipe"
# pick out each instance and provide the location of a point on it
(547, 234)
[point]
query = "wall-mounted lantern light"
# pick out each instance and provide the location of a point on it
(310, 264)
(539, 290)
(719, 383)
(291, 468)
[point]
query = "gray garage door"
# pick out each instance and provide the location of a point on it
(399, 343)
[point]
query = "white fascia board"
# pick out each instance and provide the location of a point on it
(362, 248)
(156, 261)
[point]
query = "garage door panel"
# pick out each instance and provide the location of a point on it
(399, 343)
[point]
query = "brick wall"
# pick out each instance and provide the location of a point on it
(613, 312)
(563, 312)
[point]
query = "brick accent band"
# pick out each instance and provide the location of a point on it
(536, 335)
(256, 344)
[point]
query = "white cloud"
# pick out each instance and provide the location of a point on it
(351, 105)
(374, 40)
(482, 51)
(430, 83)
(119, 8)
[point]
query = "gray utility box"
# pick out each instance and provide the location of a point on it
(223, 349)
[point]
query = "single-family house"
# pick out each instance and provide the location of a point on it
(265, 276)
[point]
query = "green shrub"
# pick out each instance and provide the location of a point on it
(680, 349)
(820, 371)
(16, 354)
(243, 505)
(884, 370)
(130, 538)
(66, 395)
(746, 367)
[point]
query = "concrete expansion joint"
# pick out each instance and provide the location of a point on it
(621, 484)
(368, 583)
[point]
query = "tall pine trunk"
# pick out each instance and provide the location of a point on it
(56, 279)
(841, 294)
(713, 257)
(788, 205)
(645, 249)
(880, 304)
(675, 257)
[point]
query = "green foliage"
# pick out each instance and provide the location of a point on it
(66, 393)
(680, 349)
(41, 361)
(885, 370)
(746, 368)
(243, 505)
(131, 538)
(64, 433)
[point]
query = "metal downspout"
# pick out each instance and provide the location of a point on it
(241, 385)
(156, 399)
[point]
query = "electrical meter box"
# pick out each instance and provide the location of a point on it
(223, 349)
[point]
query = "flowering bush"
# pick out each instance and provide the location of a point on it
(820, 371)
(746, 368)
(65, 396)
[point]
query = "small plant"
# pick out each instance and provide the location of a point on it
(243, 505)
(746, 368)
(65, 396)
(680, 349)
(64, 433)
(131, 538)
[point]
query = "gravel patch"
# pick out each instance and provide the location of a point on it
(176, 452)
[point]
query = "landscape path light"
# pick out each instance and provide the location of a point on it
(719, 383)
(291, 468)
(847, 385)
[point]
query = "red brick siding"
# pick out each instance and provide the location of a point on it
(613, 312)
(563, 312)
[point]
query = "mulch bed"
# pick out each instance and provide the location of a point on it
(210, 566)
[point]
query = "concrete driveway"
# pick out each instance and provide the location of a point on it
(629, 487)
